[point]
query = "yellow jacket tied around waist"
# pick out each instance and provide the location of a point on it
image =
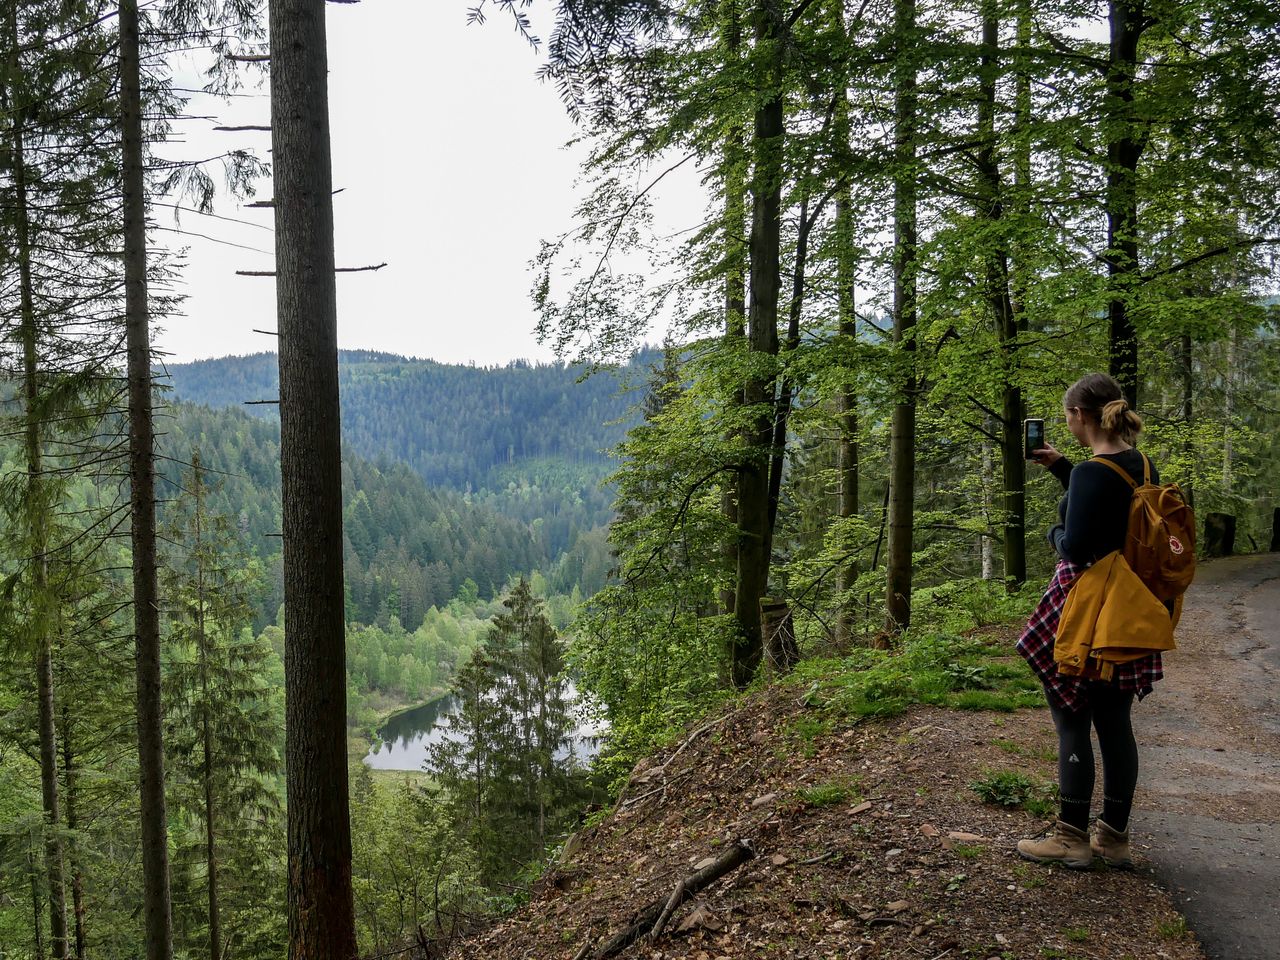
(1110, 617)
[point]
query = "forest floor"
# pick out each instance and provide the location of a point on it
(868, 839)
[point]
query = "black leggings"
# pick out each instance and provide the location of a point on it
(1108, 713)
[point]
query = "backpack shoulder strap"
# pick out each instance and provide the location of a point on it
(1146, 468)
(1124, 473)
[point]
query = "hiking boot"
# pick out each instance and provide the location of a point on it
(1066, 845)
(1111, 845)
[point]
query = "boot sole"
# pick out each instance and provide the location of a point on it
(1126, 864)
(1075, 864)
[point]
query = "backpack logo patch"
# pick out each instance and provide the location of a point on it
(1175, 545)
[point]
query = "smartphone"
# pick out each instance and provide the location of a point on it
(1032, 436)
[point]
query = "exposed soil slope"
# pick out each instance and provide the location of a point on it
(868, 842)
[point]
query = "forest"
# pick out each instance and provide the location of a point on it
(923, 222)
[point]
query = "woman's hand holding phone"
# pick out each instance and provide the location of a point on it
(1047, 455)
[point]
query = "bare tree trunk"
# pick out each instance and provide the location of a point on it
(1187, 376)
(902, 442)
(987, 543)
(848, 399)
(1000, 301)
(73, 824)
(37, 512)
(146, 610)
(1228, 414)
(847, 331)
(735, 306)
(321, 909)
(1128, 20)
(786, 393)
(762, 339)
(206, 721)
(37, 925)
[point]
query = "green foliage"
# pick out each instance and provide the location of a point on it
(1010, 788)
(936, 669)
(409, 868)
(224, 724)
(505, 764)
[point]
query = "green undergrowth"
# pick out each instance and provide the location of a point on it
(1010, 788)
(939, 669)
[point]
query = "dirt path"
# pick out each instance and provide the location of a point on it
(1208, 811)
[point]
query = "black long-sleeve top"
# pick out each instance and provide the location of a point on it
(1094, 514)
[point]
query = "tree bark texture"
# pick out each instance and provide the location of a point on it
(847, 490)
(902, 441)
(321, 910)
(786, 393)
(73, 824)
(206, 725)
(847, 455)
(1186, 371)
(1125, 146)
(146, 611)
(735, 306)
(37, 509)
(1000, 300)
(762, 340)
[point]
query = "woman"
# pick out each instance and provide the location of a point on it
(1093, 520)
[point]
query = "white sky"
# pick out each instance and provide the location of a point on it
(451, 154)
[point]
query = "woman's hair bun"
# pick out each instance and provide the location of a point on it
(1118, 417)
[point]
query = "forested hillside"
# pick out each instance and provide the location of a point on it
(408, 546)
(459, 427)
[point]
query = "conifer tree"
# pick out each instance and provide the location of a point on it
(321, 911)
(222, 728)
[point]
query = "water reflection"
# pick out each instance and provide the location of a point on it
(406, 737)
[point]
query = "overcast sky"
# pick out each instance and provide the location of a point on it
(450, 154)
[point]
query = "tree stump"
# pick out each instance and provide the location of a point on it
(781, 651)
(1219, 535)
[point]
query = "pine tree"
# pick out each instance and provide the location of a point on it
(222, 726)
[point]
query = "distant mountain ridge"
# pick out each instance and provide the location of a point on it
(461, 427)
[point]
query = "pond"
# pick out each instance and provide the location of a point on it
(406, 736)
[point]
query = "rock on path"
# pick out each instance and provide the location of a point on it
(1207, 814)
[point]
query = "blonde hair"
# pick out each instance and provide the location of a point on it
(1100, 396)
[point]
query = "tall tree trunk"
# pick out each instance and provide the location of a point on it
(786, 392)
(37, 906)
(72, 814)
(37, 513)
(321, 909)
(762, 339)
(735, 306)
(1125, 145)
(902, 442)
(847, 401)
(847, 331)
(146, 610)
(986, 543)
(1228, 414)
(1186, 372)
(1000, 301)
(206, 720)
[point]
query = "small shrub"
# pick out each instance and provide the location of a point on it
(1009, 788)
